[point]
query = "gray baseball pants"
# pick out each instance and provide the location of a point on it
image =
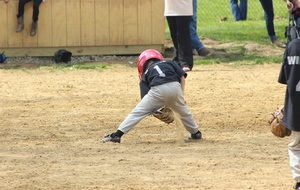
(294, 153)
(168, 94)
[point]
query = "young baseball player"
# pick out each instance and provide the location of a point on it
(162, 84)
(290, 75)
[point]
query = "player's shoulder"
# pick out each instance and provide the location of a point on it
(295, 42)
(165, 63)
(168, 61)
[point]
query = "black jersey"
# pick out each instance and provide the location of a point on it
(159, 73)
(290, 75)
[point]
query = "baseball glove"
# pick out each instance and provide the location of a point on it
(165, 114)
(276, 124)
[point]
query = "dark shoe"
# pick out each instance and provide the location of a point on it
(197, 135)
(204, 52)
(112, 138)
(33, 28)
(20, 24)
(297, 186)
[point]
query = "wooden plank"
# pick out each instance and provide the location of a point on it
(131, 22)
(158, 24)
(116, 27)
(96, 50)
(28, 41)
(73, 23)
(44, 31)
(59, 26)
(144, 22)
(14, 38)
(88, 30)
(102, 22)
(112, 26)
(3, 24)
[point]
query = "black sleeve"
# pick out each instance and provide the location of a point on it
(179, 70)
(282, 75)
(144, 88)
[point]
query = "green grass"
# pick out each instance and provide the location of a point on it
(237, 55)
(253, 30)
(73, 67)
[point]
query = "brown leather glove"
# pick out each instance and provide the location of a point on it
(165, 114)
(276, 124)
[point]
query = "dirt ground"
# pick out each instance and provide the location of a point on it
(52, 126)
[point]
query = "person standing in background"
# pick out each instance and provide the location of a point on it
(267, 5)
(239, 12)
(178, 14)
(20, 16)
(196, 43)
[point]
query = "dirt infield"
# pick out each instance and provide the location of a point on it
(52, 124)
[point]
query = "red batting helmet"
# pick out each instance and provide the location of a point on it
(145, 56)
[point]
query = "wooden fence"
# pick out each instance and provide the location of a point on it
(84, 27)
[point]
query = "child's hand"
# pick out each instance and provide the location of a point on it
(290, 10)
(289, 4)
(6, 1)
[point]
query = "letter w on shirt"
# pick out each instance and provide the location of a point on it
(293, 60)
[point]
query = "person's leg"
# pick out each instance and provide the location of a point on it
(20, 15)
(21, 7)
(196, 43)
(235, 10)
(173, 31)
(294, 154)
(269, 16)
(243, 9)
(143, 109)
(185, 50)
(177, 103)
(36, 4)
(157, 97)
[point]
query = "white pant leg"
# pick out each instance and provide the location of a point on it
(294, 153)
(155, 99)
(177, 103)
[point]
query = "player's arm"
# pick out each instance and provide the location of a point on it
(289, 4)
(182, 83)
(282, 76)
(143, 89)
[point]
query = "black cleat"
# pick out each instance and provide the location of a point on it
(197, 135)
(112, 138)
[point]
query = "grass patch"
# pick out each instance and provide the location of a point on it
(253, 30)
(74, 67)
(237, 55)
(11, 67)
